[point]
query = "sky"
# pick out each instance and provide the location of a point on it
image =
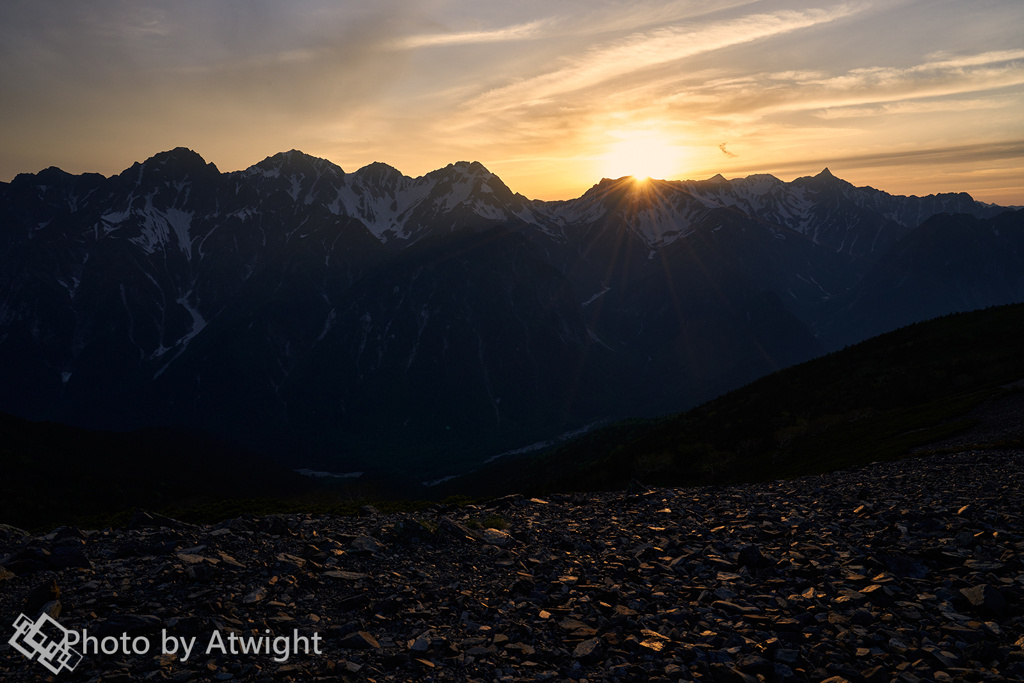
(908, 96)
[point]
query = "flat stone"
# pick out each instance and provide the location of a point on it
(985, 599)
(344, 576)
(366, 544)
(360, 640)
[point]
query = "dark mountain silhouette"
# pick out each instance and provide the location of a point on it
(369, 320)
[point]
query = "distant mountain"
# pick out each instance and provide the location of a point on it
(370, 320)
(870, 402)
(860, 221)
(951, 262)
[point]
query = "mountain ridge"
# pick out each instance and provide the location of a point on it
(172, 293)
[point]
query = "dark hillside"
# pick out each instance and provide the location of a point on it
(872, 401)
(54, 474)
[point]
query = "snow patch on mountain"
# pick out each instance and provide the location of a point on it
(115, 217)
(328, 324)
(658, 225)
(460, 191)
(379, 209)
(272, 172)
(485, 210)
(296, 187)
(595, 297)
(159, 225)
(579, 211)
(198, 324)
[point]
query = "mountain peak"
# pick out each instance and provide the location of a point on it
(824, 179)
(379, 166)
(379, 171)
(379, 175)
(297, 159)
(179, 156)
(609, 186)
(474, 168)
(175, 163)
(51, 174)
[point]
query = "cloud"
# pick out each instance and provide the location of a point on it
(509, 33)
(931, 156)
(963, 74)
(583, 19)
(650, 49)
(726, 152)
(856, 93)
(971, 60)
(916, 107)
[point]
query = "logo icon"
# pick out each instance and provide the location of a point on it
(46, 638)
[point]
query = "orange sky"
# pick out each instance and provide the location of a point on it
(910, 96)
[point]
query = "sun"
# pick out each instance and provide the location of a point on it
(641, 154)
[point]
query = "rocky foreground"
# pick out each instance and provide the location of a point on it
(906, 571)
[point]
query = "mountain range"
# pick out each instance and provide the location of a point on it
(372, 321)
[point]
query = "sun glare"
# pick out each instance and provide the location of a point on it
(641, 155)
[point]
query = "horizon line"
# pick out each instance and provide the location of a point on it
(928, 156)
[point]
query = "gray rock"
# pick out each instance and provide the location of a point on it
(7, 532)
(727, 673)
(495, 537)
(751, 558)
(366, 545)
(904, 567)
(65, 557)
(28, 561)
(361, 640)
(39, 597)
(589, 651)
(457, 530)
(985, 599)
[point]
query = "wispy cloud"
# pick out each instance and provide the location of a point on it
(952, 154)
(971, 60)
(594, 20)
(649, 49)
(984, 71)
(916, 107)
(508, 33)
(855, 93)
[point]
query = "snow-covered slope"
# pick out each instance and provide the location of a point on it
(394, 207)
(861, 221)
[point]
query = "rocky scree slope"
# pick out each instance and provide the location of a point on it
(905, 571)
